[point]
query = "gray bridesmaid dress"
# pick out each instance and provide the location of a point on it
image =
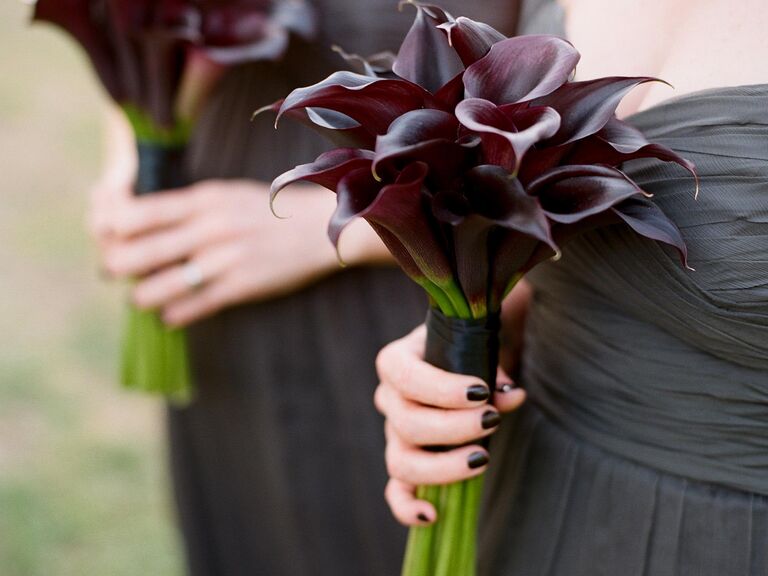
(644, 448)
(278, 466)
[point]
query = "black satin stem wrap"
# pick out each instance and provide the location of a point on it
(160, 168)
(468, 347)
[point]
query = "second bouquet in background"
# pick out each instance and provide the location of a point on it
(474, 157)
(159, 60)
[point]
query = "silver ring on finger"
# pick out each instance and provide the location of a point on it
(193, 275)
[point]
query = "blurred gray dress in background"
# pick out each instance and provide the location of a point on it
(278, 467)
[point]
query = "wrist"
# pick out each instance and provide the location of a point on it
(360, 246)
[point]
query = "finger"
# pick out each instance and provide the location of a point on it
(153, 212)
(401, 365)
(145, 254)
(208, 300)
(419, 467)
(171, 284)
(507, 398)
(406, 508)
(421, 425)
(105, 196)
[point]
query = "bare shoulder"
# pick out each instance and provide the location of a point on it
(693, 44)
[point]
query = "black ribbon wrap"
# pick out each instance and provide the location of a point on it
(160, 168)
(468, 347)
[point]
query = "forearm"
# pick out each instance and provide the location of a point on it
(359, 244)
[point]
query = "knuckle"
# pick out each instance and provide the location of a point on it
(403, 378)
(393, 462)
(382, 360)
(379, 399)
(113, 262)
(390, 493)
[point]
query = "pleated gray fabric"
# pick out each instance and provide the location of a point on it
(278, 467)
(644, 450)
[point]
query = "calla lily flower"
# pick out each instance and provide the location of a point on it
(161, 57)
(159, 61)
(477, 155)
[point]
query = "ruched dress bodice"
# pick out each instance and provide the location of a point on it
(644, 449)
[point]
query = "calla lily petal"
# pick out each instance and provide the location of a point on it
(492, 205)
(425, 57)
(620, 142)
(450, 94)
(496, 195)
(507, 135)
(572, 193)
(356, 191)
(338, 128)
(400, 209)
(376, 66)
(471, 40)
(586, 107)
(373, 102)
(420, 135)
(521, 69)
(648, 220)
(327, 170)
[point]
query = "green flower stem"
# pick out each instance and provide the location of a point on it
(155, 357)
(450, 542)
(421, 539)
(147, 130)
(458, 300)
(473, 492)
(448, 547)
(439, 297)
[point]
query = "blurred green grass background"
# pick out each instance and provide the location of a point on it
(83, 481)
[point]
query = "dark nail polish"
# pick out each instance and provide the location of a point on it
(491, 419)
(477, 460)
(478, 393)
(422, 518)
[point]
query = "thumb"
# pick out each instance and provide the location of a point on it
(507, 398)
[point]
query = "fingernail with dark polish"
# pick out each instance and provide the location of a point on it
(478, 393)
(491, 419)
(422, 517)
(477, 460)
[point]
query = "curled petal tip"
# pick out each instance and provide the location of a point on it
(375, 174)
(274, 212)
(689, 267)
(558, 255)
(340, 258)
(263, 109)
(272, 200)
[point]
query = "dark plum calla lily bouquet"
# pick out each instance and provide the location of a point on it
(474, 157)
(159, 60)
